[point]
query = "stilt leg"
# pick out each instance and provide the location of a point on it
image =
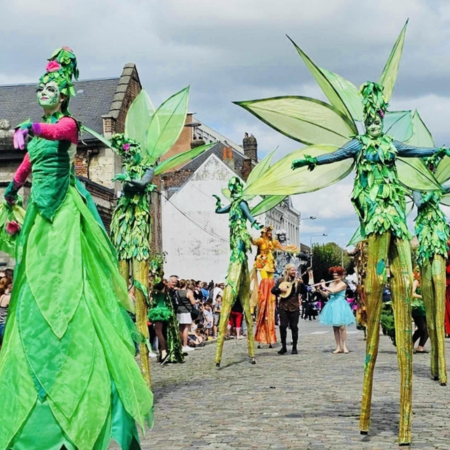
(401, 289)
(244, 296)
(377, 250)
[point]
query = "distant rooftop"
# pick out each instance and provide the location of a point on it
(93, 99)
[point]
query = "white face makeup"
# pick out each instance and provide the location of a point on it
(374, 127)
(48, 95)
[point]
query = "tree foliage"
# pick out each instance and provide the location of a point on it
(326, 256)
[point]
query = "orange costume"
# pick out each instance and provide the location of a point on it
(265, 264)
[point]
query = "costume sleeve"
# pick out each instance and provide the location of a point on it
(23, 172)
(64, 130)
(256, 241)
(349, 150)
(285, 248)
(224, 210)
(246, 210)
(276, 289)
(409, 151)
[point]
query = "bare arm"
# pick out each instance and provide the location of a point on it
(416, 284)
(190, 297)
(341, 286)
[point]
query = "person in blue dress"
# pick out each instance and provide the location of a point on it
(337, 311)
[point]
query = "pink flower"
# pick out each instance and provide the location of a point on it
(126, 147)
(67, 49)
(53, 66)
(12, 228)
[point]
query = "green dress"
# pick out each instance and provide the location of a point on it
(67, 369)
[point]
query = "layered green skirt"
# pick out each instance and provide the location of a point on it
(67, 369)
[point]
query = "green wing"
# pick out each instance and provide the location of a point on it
(280, 179)
(348, 92)
(138, 118)
(443, 171)
(327, 87)
(98, 136)
(304, 119)
(261, 167)
(267, 204)
(390, 71)
(421, 136)
(166, 125)
(182, 158)
(445, 200)
(415, 175)
(399, 125)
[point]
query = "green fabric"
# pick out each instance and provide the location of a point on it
(390, 71)
(166, 125)
(328, 87)
(71, 373)
(377, 195)
(7, 214)
(89, 203)
(431, 228)
(51, 173)
(240, 243)
(160, 311)
(304, 119)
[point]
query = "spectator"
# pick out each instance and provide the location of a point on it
(204, 291)
(236, 318)
(218, 290)
(186, 302)
(209, 318)
(5, 297)
(217, 308)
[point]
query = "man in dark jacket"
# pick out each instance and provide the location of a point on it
(290, 292)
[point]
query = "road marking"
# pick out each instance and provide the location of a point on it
(353, 332)
(320, 332)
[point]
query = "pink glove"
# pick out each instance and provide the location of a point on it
(19, 138)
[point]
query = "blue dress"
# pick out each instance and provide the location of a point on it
(337, 311)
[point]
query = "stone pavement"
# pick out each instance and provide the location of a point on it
(305, 401)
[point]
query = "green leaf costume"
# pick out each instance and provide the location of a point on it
(384, 167)
(67, 371)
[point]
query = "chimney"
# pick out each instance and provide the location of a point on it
(228, 157)
(250, 147)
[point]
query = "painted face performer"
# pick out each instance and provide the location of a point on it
(382, 165)
(67, 369)
(432, 233)
(238, 280)
(266, 265)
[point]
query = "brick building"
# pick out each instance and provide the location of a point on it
(101, 105)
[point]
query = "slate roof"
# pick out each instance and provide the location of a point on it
(94, 99)
(217, 150)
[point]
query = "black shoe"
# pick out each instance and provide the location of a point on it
(165, 359)
(294, 351)
(270, 346)
(282, 351)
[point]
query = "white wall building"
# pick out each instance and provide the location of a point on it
(195, 238)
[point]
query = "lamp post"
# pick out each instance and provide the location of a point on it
(300, 224)
(310, 245)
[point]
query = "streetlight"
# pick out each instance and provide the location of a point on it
(299, 225)
(310, 245)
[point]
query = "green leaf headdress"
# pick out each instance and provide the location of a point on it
(62, 68)
(374, 103)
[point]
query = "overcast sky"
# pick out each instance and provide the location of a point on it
(231, 50)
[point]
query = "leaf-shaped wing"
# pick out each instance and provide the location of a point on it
(98, 136)
(348, 92)
(445, 200)
(181, 158)
(138, 118)
(443, 171)
(226, 193)
(356, 238)
(7, 214)
(280, 179)
(399, 125)
(415, 175)
(267, 204)
(261, 167)
(304, 119)
(390, 71)
(327, 87)
(421, 136)
(166, 125)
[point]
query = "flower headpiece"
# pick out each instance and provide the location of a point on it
(125, 147)
(267, 228)
(373, 100)
(62, 68)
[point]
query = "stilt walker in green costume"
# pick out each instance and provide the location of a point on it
(238, 279)
(67, 371)
(432, 233)
(149, 135)
(378, 195)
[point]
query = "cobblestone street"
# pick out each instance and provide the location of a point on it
(305, 401)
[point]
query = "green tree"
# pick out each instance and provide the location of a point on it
(326, 256)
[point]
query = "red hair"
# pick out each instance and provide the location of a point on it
(337, 269)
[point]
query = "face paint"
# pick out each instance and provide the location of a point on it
(48, 95)
(374, 128)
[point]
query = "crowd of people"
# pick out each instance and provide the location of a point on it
(6, 279)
